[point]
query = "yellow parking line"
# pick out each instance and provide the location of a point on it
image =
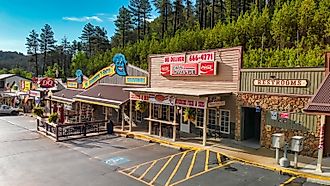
(207, 155)
(153, 163)
(134, 177)
(192, 164)
(288, 181)
(200, 173)
(161, 170)
(219, 158)
(176, 168)
(134, 169)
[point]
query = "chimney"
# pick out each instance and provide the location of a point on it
(327, 63)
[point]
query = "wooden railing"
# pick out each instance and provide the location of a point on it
(67, 131)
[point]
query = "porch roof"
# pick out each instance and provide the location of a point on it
(180, 91)
(320, 103)
(65, 95)
(105, 95)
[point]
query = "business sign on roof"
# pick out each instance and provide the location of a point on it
(198, 64)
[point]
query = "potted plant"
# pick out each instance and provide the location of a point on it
(38, 111)
(141, 106)
(53, 118)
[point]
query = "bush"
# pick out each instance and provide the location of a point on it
(53, 118)
(38, 111)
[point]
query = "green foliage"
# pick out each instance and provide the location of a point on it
(54, 71)
(189, 114)
(20, 72)
(53, 118)
(38, 111)
(141, 106)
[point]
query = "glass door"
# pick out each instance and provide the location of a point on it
(184, 125)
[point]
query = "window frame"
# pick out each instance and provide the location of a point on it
(225, 122)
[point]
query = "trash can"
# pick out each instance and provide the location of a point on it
(110, 127)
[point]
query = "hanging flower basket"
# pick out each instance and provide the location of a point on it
(189, 114)
(38, 111)
(141, 106)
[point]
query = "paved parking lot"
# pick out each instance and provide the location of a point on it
(28, 158)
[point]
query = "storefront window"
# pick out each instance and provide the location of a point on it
(225, 121)
(138, 116)
(199, 117)
(156, 111)
(212, 118)
(171, 113)
(164, 112)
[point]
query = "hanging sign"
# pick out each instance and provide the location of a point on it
(162, 99)
(281, 82)
(200, 57)
(47, 83)
(34, 93)
(284, 115)
(190, 69)
(273, 115)
(136, 80)
(175, 59)
(190, 103)
(72, 84)
(107, 71)
(139, 97)
(207, 68)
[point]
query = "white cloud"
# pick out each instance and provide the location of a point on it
(83, 19)
(113, 18)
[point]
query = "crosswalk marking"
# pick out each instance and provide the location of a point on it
(192, 164)
(152, 164)
(176, 168)
(162, 169)
(207, 156)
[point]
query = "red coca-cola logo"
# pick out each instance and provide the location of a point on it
(160, 98)
(47, 83)
(207, 68)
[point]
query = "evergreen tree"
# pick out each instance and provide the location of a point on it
(87, 38)
(189, 14)
(66, 55)
(100, 40)
(164, 9)
(32, 45)
(47, 43)
(178, 15)
(123, 24)
(145, 14)
(135, 8)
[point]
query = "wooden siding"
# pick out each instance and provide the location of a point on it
(227, 78)
(120, 80)
(313, 75)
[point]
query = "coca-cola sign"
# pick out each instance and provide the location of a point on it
(47, 83)
(165, 69)
(207, 68)
(190, 69)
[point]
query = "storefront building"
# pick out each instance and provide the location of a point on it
(191, 94)
(272, 101)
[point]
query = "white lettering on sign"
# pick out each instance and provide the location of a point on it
(281, 82)
(175, 59)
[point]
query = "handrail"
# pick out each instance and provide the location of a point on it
(82, 123)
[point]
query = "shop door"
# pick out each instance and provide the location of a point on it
(251, 122)
(184, 126)
(326, 151)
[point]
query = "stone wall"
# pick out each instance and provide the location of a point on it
(290, 104)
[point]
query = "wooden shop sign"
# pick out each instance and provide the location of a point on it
(281, 82)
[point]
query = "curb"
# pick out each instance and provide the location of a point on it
(187, 147)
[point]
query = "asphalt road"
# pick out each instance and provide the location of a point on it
(28, 158)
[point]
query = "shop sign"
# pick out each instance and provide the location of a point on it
(165, 69)
(34, 93)
(175, 59)
(200, 57)
(284, 115)
(273, 115)
(136, 80)
(207, 68)
(162, 99)
(190, 103)
(67, 107)
(25, 86)
(217, 104)
(140, 97)
(107, 71)
(72, 84)
(47, 83)
(281, 82)
(190, 69)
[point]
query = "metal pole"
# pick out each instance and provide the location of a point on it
(295, 160)
(123, 118)
(205, 122)
(130, 115)
(321, 145)
(150, 114)
(277, 155)
(174, 123)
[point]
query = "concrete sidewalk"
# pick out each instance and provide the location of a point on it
(260, 157)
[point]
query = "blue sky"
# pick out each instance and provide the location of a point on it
(66, 17)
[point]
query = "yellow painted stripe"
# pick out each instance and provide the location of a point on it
(192, 164)
(176, 168)
(207, 156)
(145, 172)
(219, 158)
(288, 181)
(97, 103)
(200, 173)
(161, 170)
(134, 169)
(134, 177)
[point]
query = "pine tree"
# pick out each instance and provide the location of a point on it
(32, 45)
(123, 24)
(164, 8)
(145, 14)
(47, 43)
(135, 9)
(189, 14)
(100, 40)
(87, 37)
(178, 15)
(66, 55)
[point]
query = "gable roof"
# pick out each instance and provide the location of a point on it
(4, 76)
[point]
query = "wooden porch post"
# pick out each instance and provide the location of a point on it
(123, 118)
(205, 120)
(150, 114)
(130, 115)
(106, 113)
(321, 145)
(174, 124)
(80, 112)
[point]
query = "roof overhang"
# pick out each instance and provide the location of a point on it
(98, 101)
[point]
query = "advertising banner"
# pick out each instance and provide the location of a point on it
(190, 69)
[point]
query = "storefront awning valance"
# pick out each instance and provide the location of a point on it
(105, 95)
(320, 103)
(179, 91)
(65, 95)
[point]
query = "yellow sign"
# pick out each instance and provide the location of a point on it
(137, 80)
(107, 71)
(72, 84)
(25, 86)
